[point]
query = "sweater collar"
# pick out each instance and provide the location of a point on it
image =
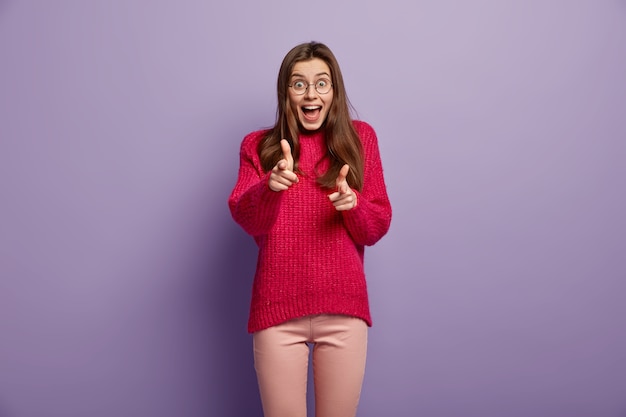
(317, 135)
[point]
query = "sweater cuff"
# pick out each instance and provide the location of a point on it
(271, 199)
(356, 215)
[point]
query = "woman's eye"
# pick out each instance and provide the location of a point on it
(321, 83)
(299, 84)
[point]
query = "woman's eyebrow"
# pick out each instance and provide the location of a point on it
(297, 74)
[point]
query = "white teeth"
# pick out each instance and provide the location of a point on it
(311, 107)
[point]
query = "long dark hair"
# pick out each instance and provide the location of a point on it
(342, 141)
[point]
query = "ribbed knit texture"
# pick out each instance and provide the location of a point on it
(310, 255)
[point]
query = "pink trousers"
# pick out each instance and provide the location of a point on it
(281, 355)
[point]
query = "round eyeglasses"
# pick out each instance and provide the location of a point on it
(322, 86)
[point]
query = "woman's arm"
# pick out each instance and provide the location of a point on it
(253, 205)
(370, 219)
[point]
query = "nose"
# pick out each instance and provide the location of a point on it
(310, 91)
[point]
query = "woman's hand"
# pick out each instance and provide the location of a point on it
(282, 176)
(344, 198)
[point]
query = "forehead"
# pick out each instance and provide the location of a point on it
(311, 68)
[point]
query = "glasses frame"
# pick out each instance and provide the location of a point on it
(310, 84)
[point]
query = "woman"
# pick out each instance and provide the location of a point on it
(312, 194)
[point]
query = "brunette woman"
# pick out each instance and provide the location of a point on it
(311, 192)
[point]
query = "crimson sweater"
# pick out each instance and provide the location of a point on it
(310, 257)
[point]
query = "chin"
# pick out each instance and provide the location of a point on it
(311, 127)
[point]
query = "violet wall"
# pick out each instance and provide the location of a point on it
(124, 283)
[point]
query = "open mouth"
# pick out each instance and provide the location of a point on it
(311, 113)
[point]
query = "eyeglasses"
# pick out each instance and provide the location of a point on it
(322, 86)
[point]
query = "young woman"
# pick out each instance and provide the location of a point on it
(312, 194)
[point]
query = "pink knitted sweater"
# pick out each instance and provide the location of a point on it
(310, 255)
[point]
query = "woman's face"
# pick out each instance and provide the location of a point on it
(311, 107)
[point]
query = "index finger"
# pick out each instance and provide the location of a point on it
(343, 173)
(284, 146)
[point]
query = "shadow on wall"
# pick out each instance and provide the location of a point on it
(3, 411)
(227, 264)
(232, 273)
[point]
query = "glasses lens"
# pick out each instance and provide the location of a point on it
(299, 86)
(323, 85)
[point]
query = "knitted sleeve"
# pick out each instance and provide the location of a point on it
(253, 205)
(370, 219)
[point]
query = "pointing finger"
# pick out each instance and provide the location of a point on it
(284, 146)
(286, 149)
(342, 184)
(343, 173)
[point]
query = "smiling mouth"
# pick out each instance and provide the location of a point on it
(311, 113)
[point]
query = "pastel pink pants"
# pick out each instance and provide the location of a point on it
(281, 356)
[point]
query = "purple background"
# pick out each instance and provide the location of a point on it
(498, 292)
